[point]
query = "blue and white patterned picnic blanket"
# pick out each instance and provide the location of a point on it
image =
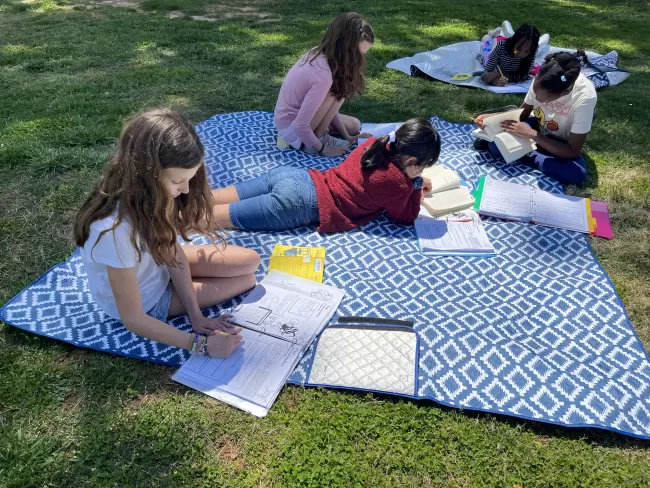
(537, 332)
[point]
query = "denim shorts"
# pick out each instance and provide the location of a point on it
(283, 198)
(160, 310)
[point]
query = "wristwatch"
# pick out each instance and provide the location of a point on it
(418, 182)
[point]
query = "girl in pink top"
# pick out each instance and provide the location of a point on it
(307, 113)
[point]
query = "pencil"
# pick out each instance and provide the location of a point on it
(223, 333)
(501, 72)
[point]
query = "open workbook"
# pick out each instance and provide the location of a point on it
(280, 317)
(456, 234)
(510, 146)
(525, 203)
(447, 194)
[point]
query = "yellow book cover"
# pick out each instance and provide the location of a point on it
(305, 262)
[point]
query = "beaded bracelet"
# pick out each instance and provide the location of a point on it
(203, 350)
(195, 343)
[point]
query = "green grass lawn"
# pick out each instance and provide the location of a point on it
(71, 72)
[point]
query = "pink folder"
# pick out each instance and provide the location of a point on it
(600, 212)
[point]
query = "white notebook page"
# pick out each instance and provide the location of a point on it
(509, 200)
(250, 379)
(560, 211)
(440, 235)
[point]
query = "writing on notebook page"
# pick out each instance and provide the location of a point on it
(452, 235)
(511, 201)
(560, 211)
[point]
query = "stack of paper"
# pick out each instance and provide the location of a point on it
(281, 317)
(440, 237)
(455, 234)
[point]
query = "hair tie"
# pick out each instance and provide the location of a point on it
(563, 78)
(391, 137)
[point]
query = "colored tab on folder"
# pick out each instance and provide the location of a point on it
(478, 193)
(600, 212)
(591, 221)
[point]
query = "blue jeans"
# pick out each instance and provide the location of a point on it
(160, 310)
(283, 198)
(566, 171)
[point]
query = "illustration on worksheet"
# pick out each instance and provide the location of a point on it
(289, 310)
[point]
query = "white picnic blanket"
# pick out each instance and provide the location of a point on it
(463, 57)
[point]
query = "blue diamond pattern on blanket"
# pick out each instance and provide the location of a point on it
(536, 332)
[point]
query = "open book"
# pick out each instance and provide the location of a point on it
(447, 195)
(524, 203)
(510, 146)
(281, 317)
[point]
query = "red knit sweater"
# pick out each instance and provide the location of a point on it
(349, 196)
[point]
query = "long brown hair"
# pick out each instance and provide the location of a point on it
(131, 183)
(340, 46)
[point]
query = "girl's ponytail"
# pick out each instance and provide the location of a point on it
(377, 154)
(415, 138)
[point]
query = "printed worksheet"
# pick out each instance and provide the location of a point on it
(288, 307)
(509, 200)
(250, 379)
(449, 237)
(281, 317)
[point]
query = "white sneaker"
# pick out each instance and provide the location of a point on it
(328, 141)
(544, 40)
(506, 29)
(282, 144)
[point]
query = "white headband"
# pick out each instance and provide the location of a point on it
(391, 137)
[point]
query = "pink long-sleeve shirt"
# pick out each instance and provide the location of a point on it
(303, 91)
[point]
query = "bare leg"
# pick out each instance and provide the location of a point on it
(324, 115)
(211, 291)
(219, 262)
(225, 195)
(352, 125)
(222, 216)
(218, 274)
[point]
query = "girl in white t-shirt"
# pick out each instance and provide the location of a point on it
(561, 101)
(154, 189)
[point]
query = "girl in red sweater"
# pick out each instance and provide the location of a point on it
(381, 174)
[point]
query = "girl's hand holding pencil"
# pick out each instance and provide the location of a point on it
(502, 80)
(213, 326)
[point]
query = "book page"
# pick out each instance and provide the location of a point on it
(441, 178)
(250, 379)
(512, 147)
(441, 235)
(560, 211)
(509, 142)
(492, 124)
(288, 307)
(508, 200)
(447, 201)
